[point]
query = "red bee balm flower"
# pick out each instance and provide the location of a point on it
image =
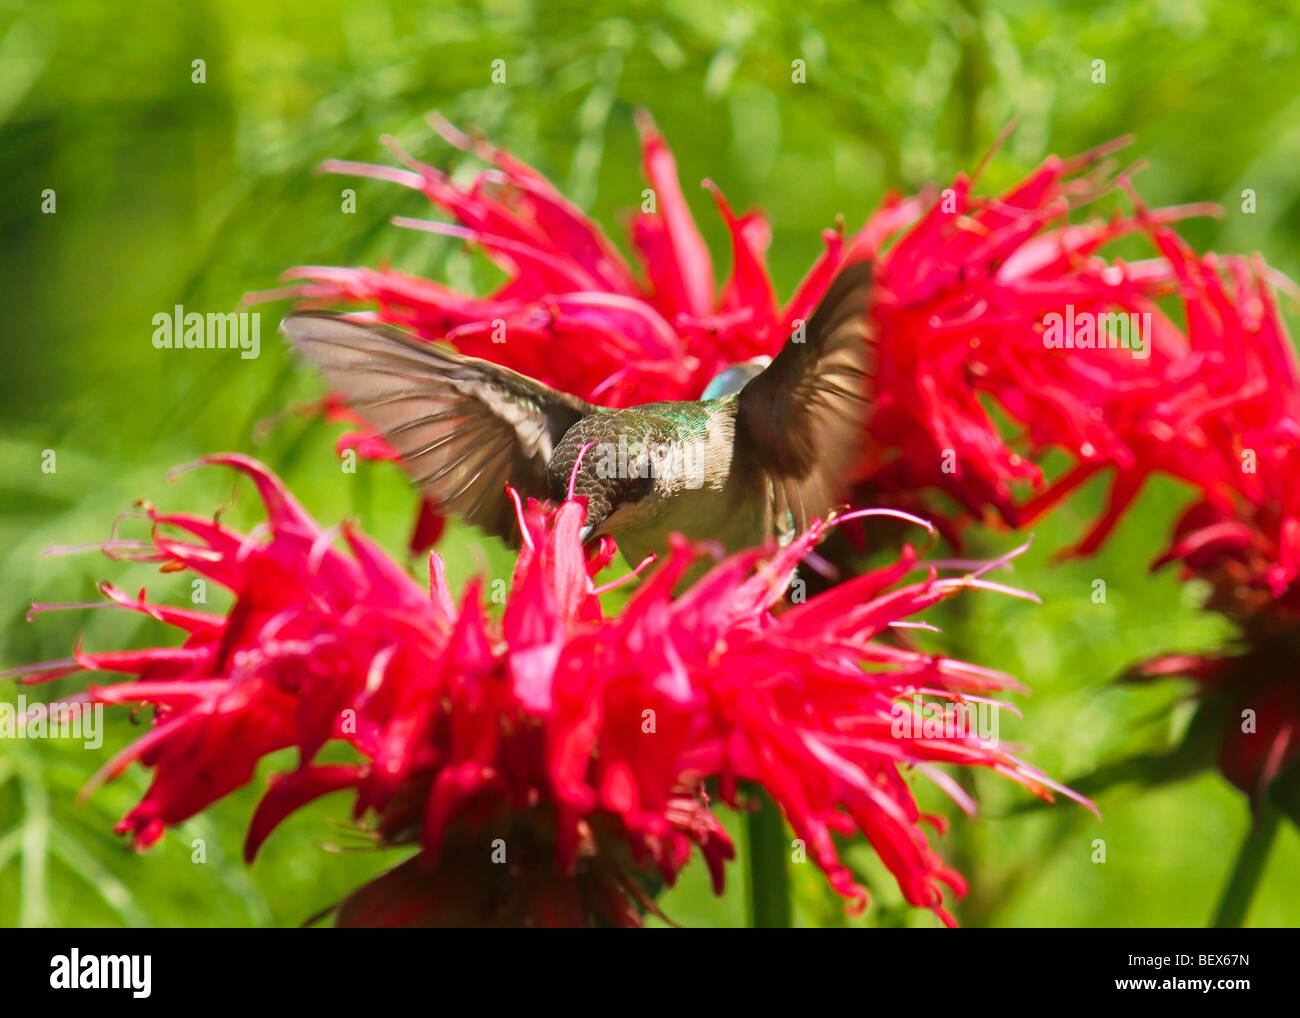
(963, 284)
(545, 761)
(1236, 412)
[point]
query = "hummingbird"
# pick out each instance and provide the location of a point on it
(769, 448)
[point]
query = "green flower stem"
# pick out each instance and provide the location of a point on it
(1249, 867)
(769, 877)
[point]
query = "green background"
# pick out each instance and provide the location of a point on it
(173, 192)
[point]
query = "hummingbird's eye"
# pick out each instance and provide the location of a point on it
(638, 480)
(638, 484)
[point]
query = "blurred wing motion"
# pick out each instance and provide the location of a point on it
(465, 428)
(802, 418)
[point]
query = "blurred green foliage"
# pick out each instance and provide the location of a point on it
(174, 192)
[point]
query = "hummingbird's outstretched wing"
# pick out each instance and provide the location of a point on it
(801, 419)
(465, 428)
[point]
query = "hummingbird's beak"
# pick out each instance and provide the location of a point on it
(585, 533)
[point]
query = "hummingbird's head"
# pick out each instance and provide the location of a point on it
(628, 477)
(616, 498)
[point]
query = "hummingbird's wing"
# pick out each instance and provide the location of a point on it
(465, 428)
(801, 419)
